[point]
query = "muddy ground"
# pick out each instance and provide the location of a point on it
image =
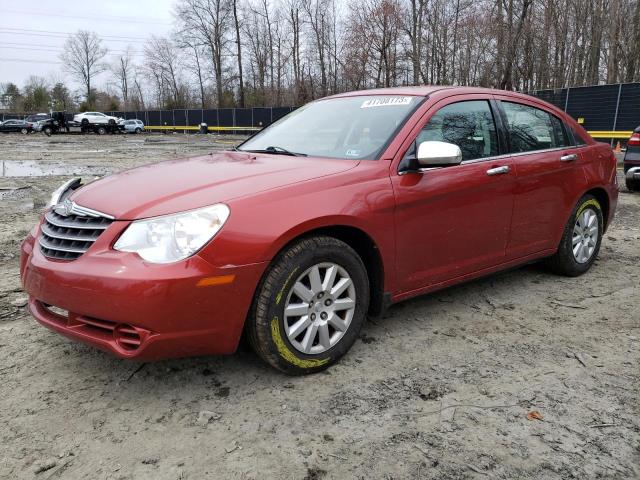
(438, 389)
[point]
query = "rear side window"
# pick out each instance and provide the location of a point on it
(533, 129)
(468, 124)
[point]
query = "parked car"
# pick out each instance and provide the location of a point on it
(37, 117)
(21, 126)
(632, 161)
(339, 209)
(132, 126)
(95, 118)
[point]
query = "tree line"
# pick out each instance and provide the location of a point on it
(224, 53)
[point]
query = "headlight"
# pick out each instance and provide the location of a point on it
(174, 237)
(57, 195)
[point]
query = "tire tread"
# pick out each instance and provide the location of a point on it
(257, 327)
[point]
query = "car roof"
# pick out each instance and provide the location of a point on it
(427, 90)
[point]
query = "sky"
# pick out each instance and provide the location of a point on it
(33, 33)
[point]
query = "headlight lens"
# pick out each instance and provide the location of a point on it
(171, 238)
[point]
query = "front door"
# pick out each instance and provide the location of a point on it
(454, 220)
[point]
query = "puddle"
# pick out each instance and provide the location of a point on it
(32, 168)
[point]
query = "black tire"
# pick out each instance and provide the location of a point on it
(563, 262)
(112, 121)
(84, 122)
(47, 131)
(632, 185)
(138, 130)
(101, 130)
(265, 326)
(24, 131)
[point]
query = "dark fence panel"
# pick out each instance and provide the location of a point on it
(280, 112)
(554, 97)
(604, 108)
(180, 118)
(226, 117)
(243, 117)
(153, 118)
(629, 109)
(210, 117)
(262, 117)
(596, 105)
(166, 118)
(194, 117)
(141, 115)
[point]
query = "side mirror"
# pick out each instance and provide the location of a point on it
(436, 154)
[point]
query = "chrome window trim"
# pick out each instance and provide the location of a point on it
(519, 154)
(495, 157)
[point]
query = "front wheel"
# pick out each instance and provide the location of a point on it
(47, 131)
(138, 130)
(24, 131)
(102, 131)
(310, 306)
(581, 239)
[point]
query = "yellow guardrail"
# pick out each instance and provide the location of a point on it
(211, 129)
(610, 134)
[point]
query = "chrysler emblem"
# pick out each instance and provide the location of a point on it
(65, 208)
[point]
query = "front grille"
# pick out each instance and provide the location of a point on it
(67, 238)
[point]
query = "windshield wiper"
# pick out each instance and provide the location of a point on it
(277, 151)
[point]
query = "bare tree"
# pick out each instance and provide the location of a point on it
(208, 20)
(236, 24)
(163, 63)
(83, 54)
(287, 52)
(122, 69)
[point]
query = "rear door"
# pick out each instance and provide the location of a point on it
(548, 171)
(454, 220)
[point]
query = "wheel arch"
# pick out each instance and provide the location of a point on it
(603, 198)
(366, 248)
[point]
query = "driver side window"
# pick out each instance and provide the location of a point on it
(467, 124)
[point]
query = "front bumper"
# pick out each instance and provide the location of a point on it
(118, 303)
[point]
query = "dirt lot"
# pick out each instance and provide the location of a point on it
(438, 389)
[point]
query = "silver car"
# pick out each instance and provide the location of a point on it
(132, 126)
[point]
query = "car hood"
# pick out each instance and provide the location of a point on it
(178, 185)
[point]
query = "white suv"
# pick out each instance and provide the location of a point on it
(95, 117)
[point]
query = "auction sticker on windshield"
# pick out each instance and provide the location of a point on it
(386, 102)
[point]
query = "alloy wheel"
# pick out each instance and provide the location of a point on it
(319, 308)
(585, 236)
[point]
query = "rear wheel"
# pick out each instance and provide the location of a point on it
(102, 130)
(47, 131)
(310, 306)
(633, 185)
(581, 239)
(24, 131)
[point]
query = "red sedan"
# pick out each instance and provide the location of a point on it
(341, 208)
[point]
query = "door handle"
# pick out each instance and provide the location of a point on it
(498, 170)
(569, 158)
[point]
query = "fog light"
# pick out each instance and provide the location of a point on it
(127, 337)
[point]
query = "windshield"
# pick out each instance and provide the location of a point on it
(346, 128)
